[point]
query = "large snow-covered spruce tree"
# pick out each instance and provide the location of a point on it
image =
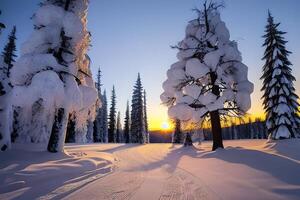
(209, 80)
(52, 78)
(137, 127)
(112, 118)
(119, 137)
(279, 98)
(127, 125)
(6, 62)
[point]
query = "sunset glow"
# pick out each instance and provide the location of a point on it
(165, 126)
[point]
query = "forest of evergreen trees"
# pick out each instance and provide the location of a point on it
(209, 81)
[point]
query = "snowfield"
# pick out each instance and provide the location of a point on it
(245, 169)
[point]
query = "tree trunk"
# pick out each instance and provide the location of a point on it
(5, 138)
(215, 118)
(216, 130)
(58, 133)
(70, 135)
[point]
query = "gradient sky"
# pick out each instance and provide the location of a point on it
(134, 36)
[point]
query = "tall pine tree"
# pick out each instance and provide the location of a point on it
(127, 125)
(104, 124)
(279, 98)
(119, 129)
(98, 119)
(112, 118)
(9, 51)
(146, 118)
(137, 128)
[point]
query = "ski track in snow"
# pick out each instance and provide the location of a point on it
(144, 174)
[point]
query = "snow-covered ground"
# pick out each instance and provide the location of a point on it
(246, 169)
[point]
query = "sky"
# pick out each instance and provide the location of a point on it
(135, 36)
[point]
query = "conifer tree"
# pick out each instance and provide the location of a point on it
(279, 97)
(104, 124)
(9, 51)
(5, 107)
(53, 75)
(6, 62)
(137, 128)
(119, 129)
(98, 119)
(127, 125)
(177, 135)
(146, 118)
(112, 118)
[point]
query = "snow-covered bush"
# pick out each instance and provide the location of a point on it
(52, 78)
(209, 79)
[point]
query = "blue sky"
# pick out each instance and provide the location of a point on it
(135, 36)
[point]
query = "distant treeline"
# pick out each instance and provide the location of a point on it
(249, 130)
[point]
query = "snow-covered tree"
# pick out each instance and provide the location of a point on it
(127, 125)
(6, 62)
(9, 51)
(52, 78)
(279, 98)
(209, 80)
(145, 118)
(119, 137)
(112, 118)
(5, 105)
(177, 136)
(137, 128)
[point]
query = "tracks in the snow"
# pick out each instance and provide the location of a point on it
(152, 174)
(183, 186)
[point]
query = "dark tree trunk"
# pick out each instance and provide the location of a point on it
(55, 137)
(215, 118)
(70, 135)
(15, 125)
(188, 140)
(216, 130)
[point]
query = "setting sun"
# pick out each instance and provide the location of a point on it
(165, 125)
